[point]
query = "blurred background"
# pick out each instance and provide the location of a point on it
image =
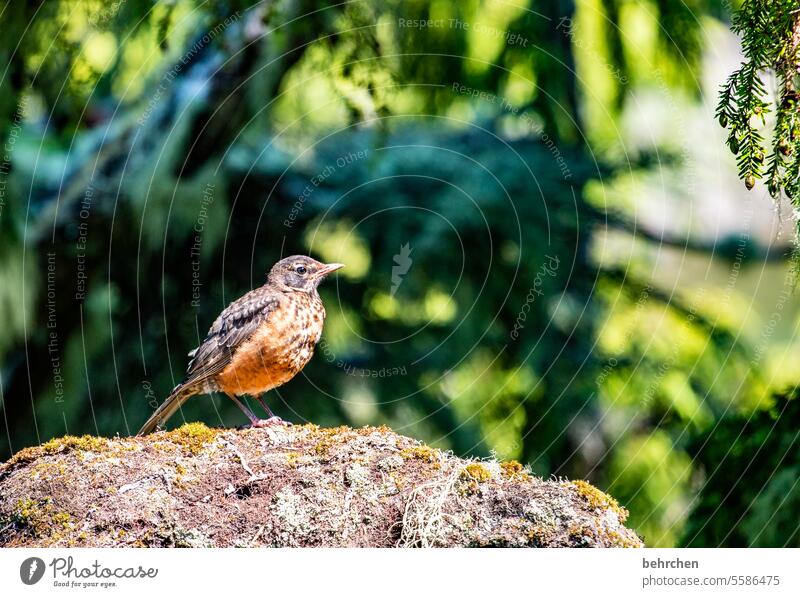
(549, 254)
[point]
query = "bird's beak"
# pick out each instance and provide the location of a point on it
(328, 268)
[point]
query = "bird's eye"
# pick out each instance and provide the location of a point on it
(300, 269)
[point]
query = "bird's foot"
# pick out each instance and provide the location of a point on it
(271, 422)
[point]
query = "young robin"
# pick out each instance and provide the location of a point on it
(259, 341)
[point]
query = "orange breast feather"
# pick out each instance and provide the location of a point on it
(277, 351)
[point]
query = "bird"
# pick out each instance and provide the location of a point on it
(259, 342)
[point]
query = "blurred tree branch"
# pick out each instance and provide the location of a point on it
(729, 248)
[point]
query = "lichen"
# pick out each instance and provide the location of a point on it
(290, 510)
(539, 515)
(617, 539)
(359, 480)
(390, 463)
(187, 538)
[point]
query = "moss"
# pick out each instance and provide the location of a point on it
(323, 447)
(62, 518)
(310, 428)
(26, 510)
(597, 500)
(180, 476)
(475, 471)
(84, 443)
(333, 432)
(327, 438)
(48, 470)
(292, 459)
(41, 519)
(513, 470)
(422, 452)
(369, 430)
(192, 436)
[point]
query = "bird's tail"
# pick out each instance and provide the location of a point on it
(177, 397)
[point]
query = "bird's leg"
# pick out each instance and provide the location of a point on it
(254, 420)
(273, 418)
(265, 406)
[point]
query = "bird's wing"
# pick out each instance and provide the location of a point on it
(233, 327)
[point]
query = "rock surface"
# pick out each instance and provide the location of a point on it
(289, 486)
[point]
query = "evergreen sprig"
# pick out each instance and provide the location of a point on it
(770, 33)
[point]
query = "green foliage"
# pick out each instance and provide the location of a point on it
(769, 32)
(649, 471)
(750, 494)
(338, 131)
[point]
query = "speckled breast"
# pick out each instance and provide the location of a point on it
(278, 350)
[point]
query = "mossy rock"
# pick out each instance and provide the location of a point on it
(290, 486)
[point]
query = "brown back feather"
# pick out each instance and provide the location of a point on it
(232, 328)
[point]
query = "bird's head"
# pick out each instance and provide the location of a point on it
(300, 273)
